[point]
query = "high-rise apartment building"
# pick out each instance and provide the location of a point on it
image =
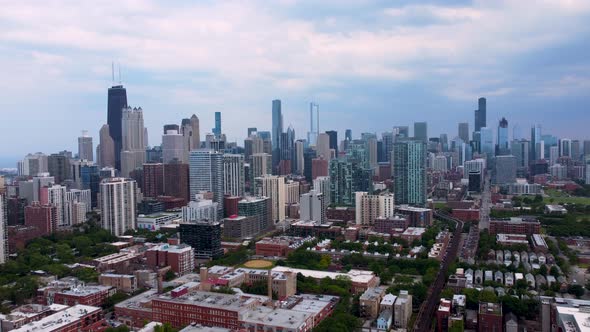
(41, 216)
(421, 131)
(347, 175)
(273, 186)
(322, 185)
(133, 145)
(313, 206)
(233, 174)
(85, 148)
(200, 209)
(173, 146)
(260, 165)
(370, 207)
(106, 147)
(59, 167)
(314, 124)
(505, 170)
(520, 149)
(153, 180)
(204, 237)
(176, 180)
(206, 174)
(464, 131)
(323, 146)
(118, 205)
(409, 172)
(117, 101)
(191, 133)
(259, 207)
(56, 196)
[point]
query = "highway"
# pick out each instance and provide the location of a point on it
(427, 310)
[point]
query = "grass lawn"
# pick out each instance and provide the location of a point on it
(562, 197)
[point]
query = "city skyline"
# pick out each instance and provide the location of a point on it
(395, 64)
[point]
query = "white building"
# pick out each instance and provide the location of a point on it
(323, 146)
(439, 163)
(558, 172)
(291, 192)
(56, 196)
(173, 147)
(206, 174)
(233, 174)
(273, 186)
(118, 204)
(322, 185)
(85, 149)
(313, 206)
(370, 207)
(200, 209)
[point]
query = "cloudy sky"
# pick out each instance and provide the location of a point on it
(370, 65)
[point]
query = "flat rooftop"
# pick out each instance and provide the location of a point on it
(281, 318)
(59, 320)
(357, 276)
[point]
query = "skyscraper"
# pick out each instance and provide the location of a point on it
(421, 131)
(260, 165)
(314, 123)
(233, 174)
(535, 139)
(348, 135)
(153, 179)
(85, 149)
(323, 146)
(333, 140)
(117, 101)
(277, 130)
(520, 149)
(409, 172)
(565, 147)
(204, 237)
(217, 128)
(173, 146)
(118, 205)
(505, 170)
(133, 148)
(107, 147)
(273, 186)
(59, 167)
(176, 180)
(347, 175)
(313, 206)
(464, 131)
(486, 141)
(299, 161)
(206, 174)
(191, 133)
(503, 146)
(480, 114)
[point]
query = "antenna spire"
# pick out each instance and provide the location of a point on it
(119, 73)
(113, 71)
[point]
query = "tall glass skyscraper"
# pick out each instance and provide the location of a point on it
(503, 145)
(480, 114)
(314, 123)
(486, 139)
(409, 172)
(217, 129)
(117, 101)
(277, 130)
(421, 131)
(535, 139)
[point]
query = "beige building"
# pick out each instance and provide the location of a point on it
(370, 207)
(273, 186)
(402, 310)
(122, 282)
(370, 301)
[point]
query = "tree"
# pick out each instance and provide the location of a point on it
(576, 290)
(169, 275)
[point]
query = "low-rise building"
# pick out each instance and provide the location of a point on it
(370, 301)
(413, 233)
(361, 280)
(77, 318)
(28, 313)
(180, 258)
(122, 282)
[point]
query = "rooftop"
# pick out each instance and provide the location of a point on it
(276, 317)
(357, 276)
(59, 320)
